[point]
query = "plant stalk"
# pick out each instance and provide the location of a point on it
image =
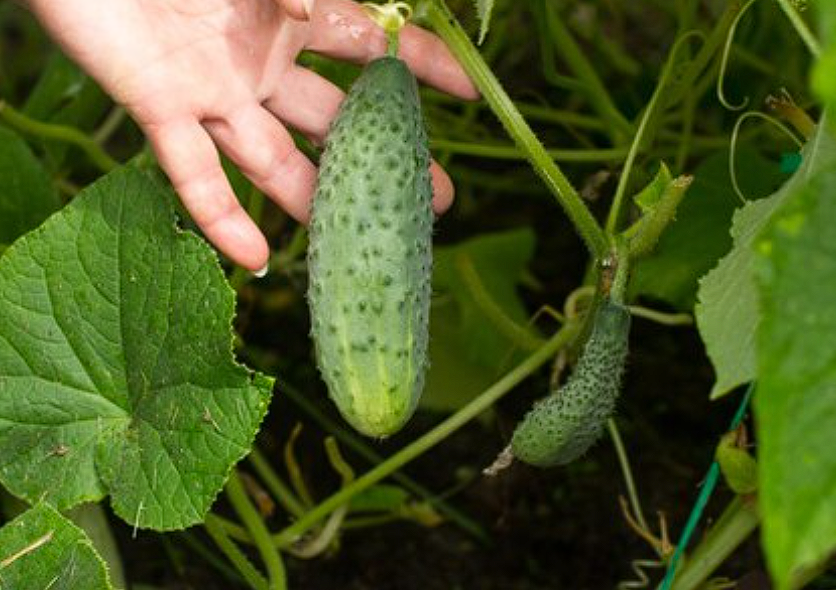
(449, 29)
(738, 521)
(258, 531)
(20, 122)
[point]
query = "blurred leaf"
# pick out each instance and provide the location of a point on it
(824, 81)
(116, 370)
(379, 498)
(42, 549)
(796, 395)
(699, 236)
(26, 195)
(66, 95)
(467, 348)
(727, 312)
(484, 8)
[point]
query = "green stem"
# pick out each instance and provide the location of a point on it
(210, 557)
(233, 554)
(593, 87)
(510, 152)
(114, 119)
(687, 81)
(568, 118)
(280, 490)
(735, 525)
(446, 25)
(643, 134)
(627, 472)
(518, 334)
(20, 122)
(617, 154)
(800, 27)
(258, 531)
(360, 447)
(432, 438)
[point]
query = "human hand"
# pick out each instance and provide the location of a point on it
(196, 74)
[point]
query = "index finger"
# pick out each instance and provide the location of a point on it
(341, 29)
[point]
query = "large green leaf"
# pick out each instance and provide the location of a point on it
(699, 236)
(26, 195)
(796, 396)
(41, 549)
(116, 371)
(475, 311)
(727, 311)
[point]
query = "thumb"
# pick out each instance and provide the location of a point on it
(298, 9)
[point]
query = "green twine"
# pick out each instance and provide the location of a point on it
(705, 494)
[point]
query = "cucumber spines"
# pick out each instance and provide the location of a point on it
(563, 426)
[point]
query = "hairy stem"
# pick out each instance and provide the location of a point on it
(258, 531)
(233, 554)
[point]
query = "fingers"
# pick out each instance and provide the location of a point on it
(189, 158)
(307, 102)
(341, 29)
(265, 152)
(298, 9)
(443, 190)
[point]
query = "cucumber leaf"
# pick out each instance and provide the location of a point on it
(26, 196)
(796, 397)
(116, 370)
(727, 312)
(42, 549)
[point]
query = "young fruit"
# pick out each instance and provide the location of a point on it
(563, 426)
(370, 254)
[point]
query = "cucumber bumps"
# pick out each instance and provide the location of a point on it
(563, 426)
(369, 255)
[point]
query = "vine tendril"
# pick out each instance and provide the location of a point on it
(733, 144)
(724, 62)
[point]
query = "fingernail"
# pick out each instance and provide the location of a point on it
(308, 4)
(261, 273)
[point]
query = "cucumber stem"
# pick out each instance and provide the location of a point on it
(391, 17)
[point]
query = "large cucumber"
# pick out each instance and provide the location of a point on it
(562, 427)
(370, 251)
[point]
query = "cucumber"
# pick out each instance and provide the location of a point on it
(370, 251)
(563, 426)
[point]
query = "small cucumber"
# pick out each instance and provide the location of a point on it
(369, 255)
(564, 425)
